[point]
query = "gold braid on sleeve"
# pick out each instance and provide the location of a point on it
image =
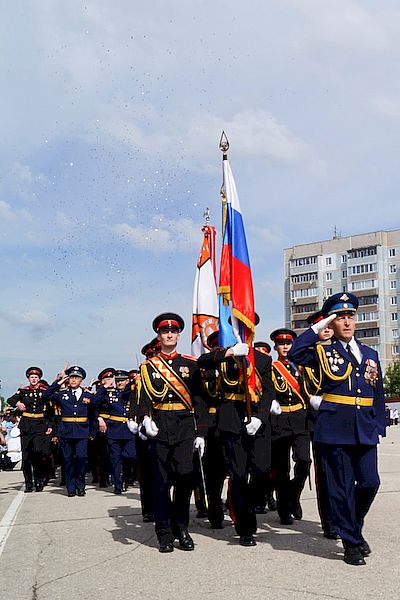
(148, 386)
(279, 387)
(225, 378)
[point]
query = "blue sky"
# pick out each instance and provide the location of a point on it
(111, 115)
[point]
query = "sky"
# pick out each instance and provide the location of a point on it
(110, 120)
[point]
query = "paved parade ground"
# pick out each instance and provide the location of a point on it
(55, 547)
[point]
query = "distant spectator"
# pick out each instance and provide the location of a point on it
(387, 416)
(392, 416)
(396, 416)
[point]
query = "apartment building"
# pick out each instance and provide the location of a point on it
(367, 265)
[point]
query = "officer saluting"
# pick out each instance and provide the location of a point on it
(350, 418)
(175, 422)
(73, 429)
(35, 425)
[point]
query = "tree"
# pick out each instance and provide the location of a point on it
(391, 381)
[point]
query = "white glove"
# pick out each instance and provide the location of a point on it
(379, 438)
(150, 427)
(142, 436)
(240, 349)
(321, 325)
(315, 402)
(199, 444)
(132, 426)
(253, 426)
(275, 408)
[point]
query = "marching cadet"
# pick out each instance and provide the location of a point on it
(311, 384)
(246, 446)
(98, 447)
(289, 431)
(350, 418)
(175, 422)
(113, 404)
(35, 426)
(73, 430)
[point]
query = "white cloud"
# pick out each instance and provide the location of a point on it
(26, 183)
(37, 322)
(163, 235)
(386, 106)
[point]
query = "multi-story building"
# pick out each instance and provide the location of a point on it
(367, 265)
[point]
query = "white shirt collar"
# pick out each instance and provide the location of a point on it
(355, 348)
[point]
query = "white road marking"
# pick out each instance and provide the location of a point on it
(9, 518)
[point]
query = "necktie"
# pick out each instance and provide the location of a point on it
(348, 348)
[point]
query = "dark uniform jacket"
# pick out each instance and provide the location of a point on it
(293, 419)
(38, 415)
(75, 415)
(232, 412)
(353, 407)
(176, 420)
(113, 406)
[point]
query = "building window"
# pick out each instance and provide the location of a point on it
(344, 274)
(329, 276)
(393, 300)
(364, 300)
(392, 251)
(395, 349)
(304, 277)
(392, 268)
(362, 285)
(361, 252)
(393, 285)
(305, 308)
(367, 333)
(328, 260)
(395, 333)
(357, 269)
(367, 316)
(304, 293)
(344, 258)
(394, 316)
(328, 292)
(301, 262)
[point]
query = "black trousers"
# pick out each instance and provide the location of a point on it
(289, 490)
(321, 486)
(171, 464)
(33, 446)
(246, 456)
(144, 476)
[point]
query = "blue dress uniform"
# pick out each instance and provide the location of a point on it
(35, 420)
(114, 407)
(244, 454)
(349, 420)
(73, 429)
(289, 433)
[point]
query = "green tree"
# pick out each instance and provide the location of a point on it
(391, 381)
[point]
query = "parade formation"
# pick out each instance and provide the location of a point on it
(182, 424)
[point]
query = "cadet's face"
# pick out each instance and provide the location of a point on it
(168, 339)
(107, 381)
(325, 334)
(283, 349)
(74, 381)
(121, 383)
(344, 326)
(33, 379)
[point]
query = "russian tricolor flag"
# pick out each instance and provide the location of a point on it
(235, 280)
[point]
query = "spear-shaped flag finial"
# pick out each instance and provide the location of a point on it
(224, 145)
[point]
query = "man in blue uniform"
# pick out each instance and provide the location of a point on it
(350, 418)
(114, 406)
(175, 422)
(73, 429)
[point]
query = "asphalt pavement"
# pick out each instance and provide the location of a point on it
(55, 547)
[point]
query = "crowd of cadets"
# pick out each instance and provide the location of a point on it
(179, 424)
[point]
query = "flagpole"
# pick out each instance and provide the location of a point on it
(224, 147)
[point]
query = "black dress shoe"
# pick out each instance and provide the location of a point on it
(185, 541)
(148, 518)
(271, 503)
(81, 493)
(364, 548)
(39, 486)
(28, 488)
(201, 514)
(103, 484)
(296, 510)
(166, 547)
(286, 520)
(216, 524)
(71, 494)
(247, 540)
(117, 491)
(353, 556)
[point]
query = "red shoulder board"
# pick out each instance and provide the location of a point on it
(189, 357)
